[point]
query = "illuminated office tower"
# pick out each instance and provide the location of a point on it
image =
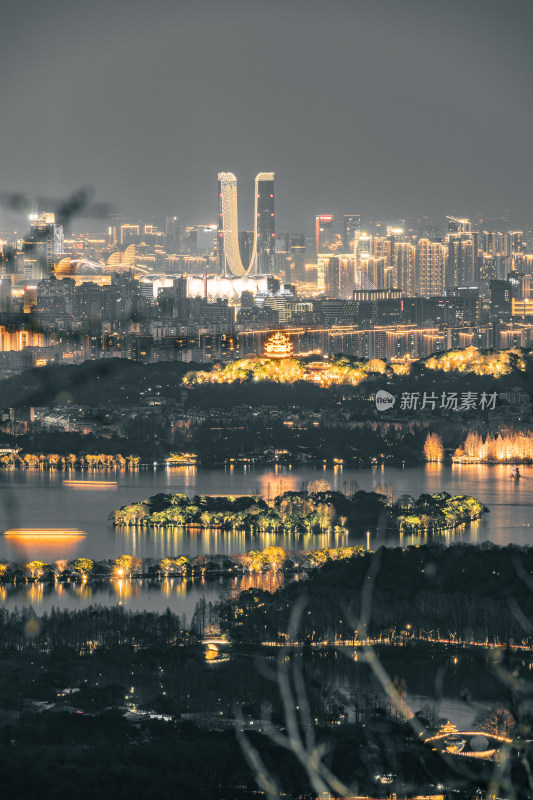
(404, 260)
(351, 227)
(264, 235)
(430, 268)
(324, 234)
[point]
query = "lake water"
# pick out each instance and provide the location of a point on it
(41, 500)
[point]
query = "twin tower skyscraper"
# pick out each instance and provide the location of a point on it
(261, 259)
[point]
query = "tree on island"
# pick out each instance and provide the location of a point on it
(36, 568)
(83, 566)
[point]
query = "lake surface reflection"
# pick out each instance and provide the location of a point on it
(179, 594)
(41, 500)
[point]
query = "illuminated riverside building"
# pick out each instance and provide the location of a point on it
(264, 235)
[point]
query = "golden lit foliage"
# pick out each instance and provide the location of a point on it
(124, 566)
(36, 568)
(83, 565)
(433, 448)
(472, 360)
(510, 445)
(341, 371)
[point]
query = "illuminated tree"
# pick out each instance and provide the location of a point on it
(433, 448)
(60, 566)
(275, 557)
(183, 565)
(83, 565)
(124, 566)
(36, 568)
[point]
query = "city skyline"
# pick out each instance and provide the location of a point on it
(405, 121)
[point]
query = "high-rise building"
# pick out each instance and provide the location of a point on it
(461, 260)
(352, 226)
(172, 230)
(364, 246)
(282, 254)
(5, 294)
(264, 241)
(324, 233)
(404, 260)
(298, 256)
(42, 246)
(384, 248)
(336, 274)
(373, 273)
(501, 294)
(430, 268)
(129, 233)
(266, 223)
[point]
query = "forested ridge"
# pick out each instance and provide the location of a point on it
(462, 593)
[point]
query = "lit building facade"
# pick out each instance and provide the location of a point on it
(264, 235)
(324, 233)
(430, 268)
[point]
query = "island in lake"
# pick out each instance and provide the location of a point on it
(305, 512)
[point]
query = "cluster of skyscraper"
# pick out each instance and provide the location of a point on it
(416, 265)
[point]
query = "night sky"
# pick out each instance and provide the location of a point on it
(390, 107)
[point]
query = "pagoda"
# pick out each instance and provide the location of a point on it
(279, 345)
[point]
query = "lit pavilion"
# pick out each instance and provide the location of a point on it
(279, 345)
